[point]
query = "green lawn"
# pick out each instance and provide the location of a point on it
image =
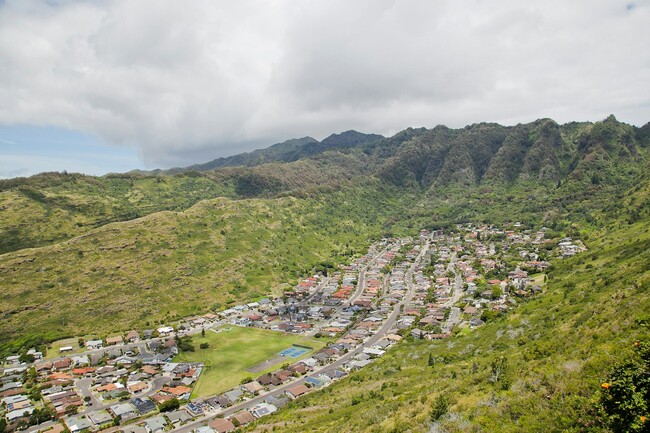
(232, 352)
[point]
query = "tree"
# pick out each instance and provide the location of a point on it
(71, 409)
(204, 345)
(203, 332)
(169, 405)
(500, 372)
(431, 362)
(81, 342)
(24, 357)
(440, 407)
(624, 397)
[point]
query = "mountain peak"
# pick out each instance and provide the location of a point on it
(349, 139)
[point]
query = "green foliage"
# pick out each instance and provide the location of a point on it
(440, 407)
(625, 395)
(184, 344)
(169, 405)
(499, 372)
(41, 415)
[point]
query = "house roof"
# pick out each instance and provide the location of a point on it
(177, 391)
(244, 417)
(221, 425)
(122, 409)
(157, 423)
(298, 390)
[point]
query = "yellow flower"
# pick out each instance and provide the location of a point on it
(642, 418)
(605, 385)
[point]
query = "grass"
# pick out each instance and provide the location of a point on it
(233, 350)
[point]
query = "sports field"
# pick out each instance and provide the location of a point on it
(234, 349)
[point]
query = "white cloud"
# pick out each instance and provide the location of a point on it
(189, 81)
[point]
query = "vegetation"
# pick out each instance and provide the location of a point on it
(169, 405)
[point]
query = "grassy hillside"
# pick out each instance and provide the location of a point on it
(171, 264)
(552, 354)
(52, 207)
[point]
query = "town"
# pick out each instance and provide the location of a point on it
(429, 287)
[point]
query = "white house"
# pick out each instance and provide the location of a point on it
(94, 344)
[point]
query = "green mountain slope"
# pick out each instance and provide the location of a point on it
(553, 352)
(52, 207)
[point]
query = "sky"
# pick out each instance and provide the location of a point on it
(102, 86)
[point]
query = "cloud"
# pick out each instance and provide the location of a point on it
(187, 82)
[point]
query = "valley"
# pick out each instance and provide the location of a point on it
(449, 280)
(429, 288)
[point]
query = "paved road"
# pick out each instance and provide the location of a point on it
(362, 274)
(320, 286)
(83, 385)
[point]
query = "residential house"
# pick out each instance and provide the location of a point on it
(125, 411)
(165, 331)
(218, 402)
(234, 395)
(263, 409)
(178, 417)
(94, 344)
(267, 379)
(297, 391)
(77, 423)
(221, 425)
(112, 341)
(37, 355)
(279, 401)
(62, 364)
(155, 425)
(243, 417)
(180, 392)
(137, 387)
(18, 413)
(253, 387)
(100, 418)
